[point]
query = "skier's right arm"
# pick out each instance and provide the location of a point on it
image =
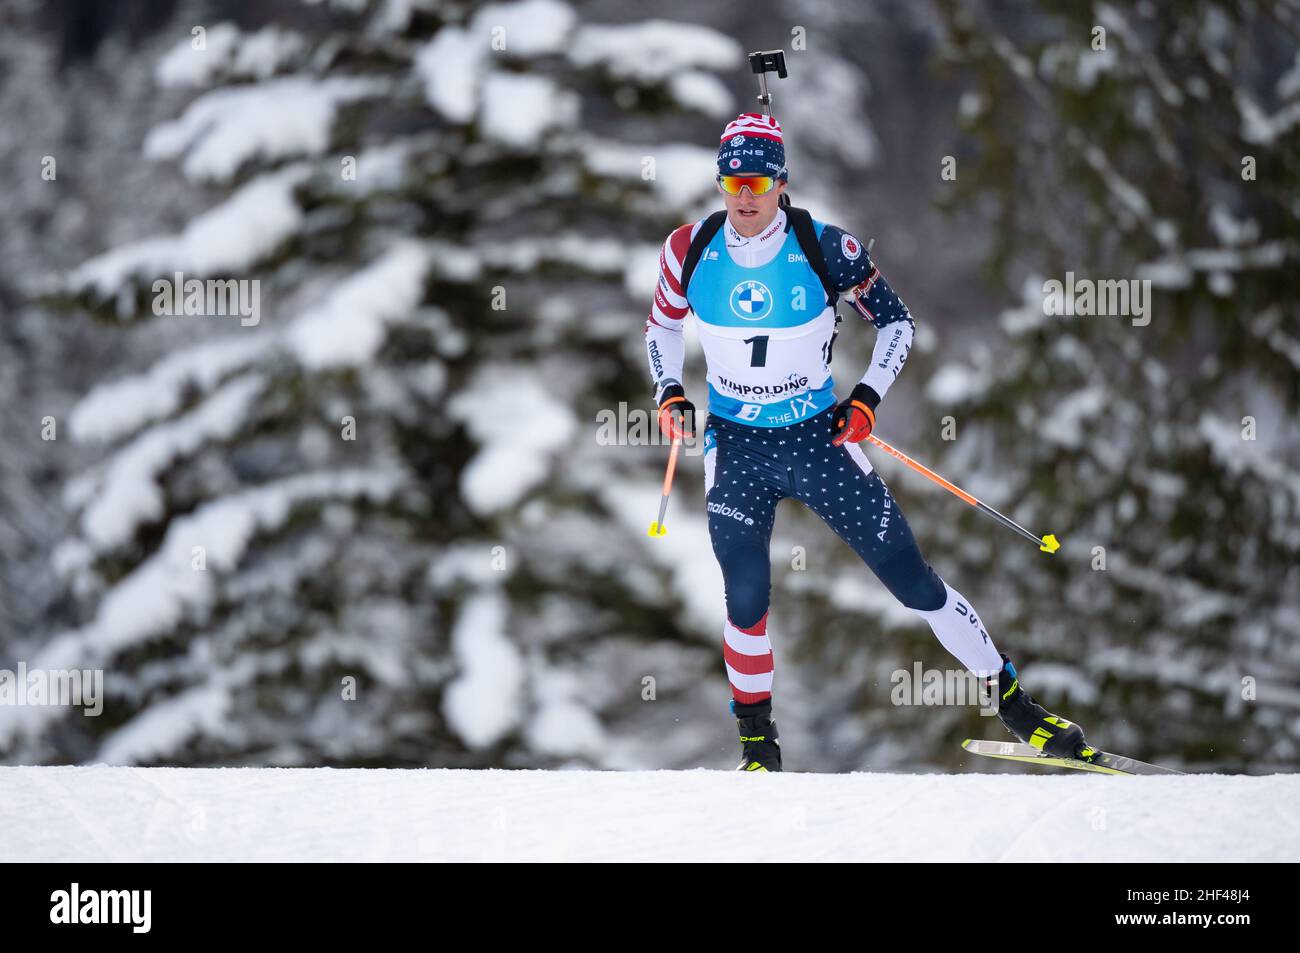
(665, 345)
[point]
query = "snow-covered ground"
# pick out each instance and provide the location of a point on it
(167, 814)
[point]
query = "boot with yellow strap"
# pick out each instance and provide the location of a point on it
(1033, 724)
(761, 748)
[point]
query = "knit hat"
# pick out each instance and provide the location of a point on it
(752, 143)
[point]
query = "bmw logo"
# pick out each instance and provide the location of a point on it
(751, 301)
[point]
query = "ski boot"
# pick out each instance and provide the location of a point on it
(1032, 723)
(762, 749)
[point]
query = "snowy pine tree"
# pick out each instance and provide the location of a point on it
(386, 486)
(1147, 142)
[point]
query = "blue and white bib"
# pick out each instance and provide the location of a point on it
(766, 333)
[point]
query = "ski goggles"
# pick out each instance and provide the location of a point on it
(757, 184)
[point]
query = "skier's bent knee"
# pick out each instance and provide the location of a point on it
(912, 580)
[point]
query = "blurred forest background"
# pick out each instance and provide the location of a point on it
(475, 558)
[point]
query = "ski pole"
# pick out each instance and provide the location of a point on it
(1047, 544)
(657, 528)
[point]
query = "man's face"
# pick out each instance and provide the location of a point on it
(748, 213)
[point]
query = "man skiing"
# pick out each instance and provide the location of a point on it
(763, 279)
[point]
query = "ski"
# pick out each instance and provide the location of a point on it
(1102, 763)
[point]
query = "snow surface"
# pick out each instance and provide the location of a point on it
(104, 813)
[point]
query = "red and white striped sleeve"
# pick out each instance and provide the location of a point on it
(665, 346)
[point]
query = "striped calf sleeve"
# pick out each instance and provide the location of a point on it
(748, 657)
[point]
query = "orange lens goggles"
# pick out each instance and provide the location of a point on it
(757, 184)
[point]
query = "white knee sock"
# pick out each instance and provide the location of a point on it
(962, 633)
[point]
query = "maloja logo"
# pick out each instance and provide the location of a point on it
(850, 246)
(656, 359)
(730, 512)
(751, 301)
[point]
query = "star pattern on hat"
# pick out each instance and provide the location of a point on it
(752, 144)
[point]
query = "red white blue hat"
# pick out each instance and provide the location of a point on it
(752, 143)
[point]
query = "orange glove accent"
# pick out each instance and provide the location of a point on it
(855, 418)
(676, 415)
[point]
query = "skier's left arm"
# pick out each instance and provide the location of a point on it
(861, 284)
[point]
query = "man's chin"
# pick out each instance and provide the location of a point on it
(748, 225)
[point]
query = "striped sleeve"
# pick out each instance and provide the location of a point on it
(665, 346)
(669, 306)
